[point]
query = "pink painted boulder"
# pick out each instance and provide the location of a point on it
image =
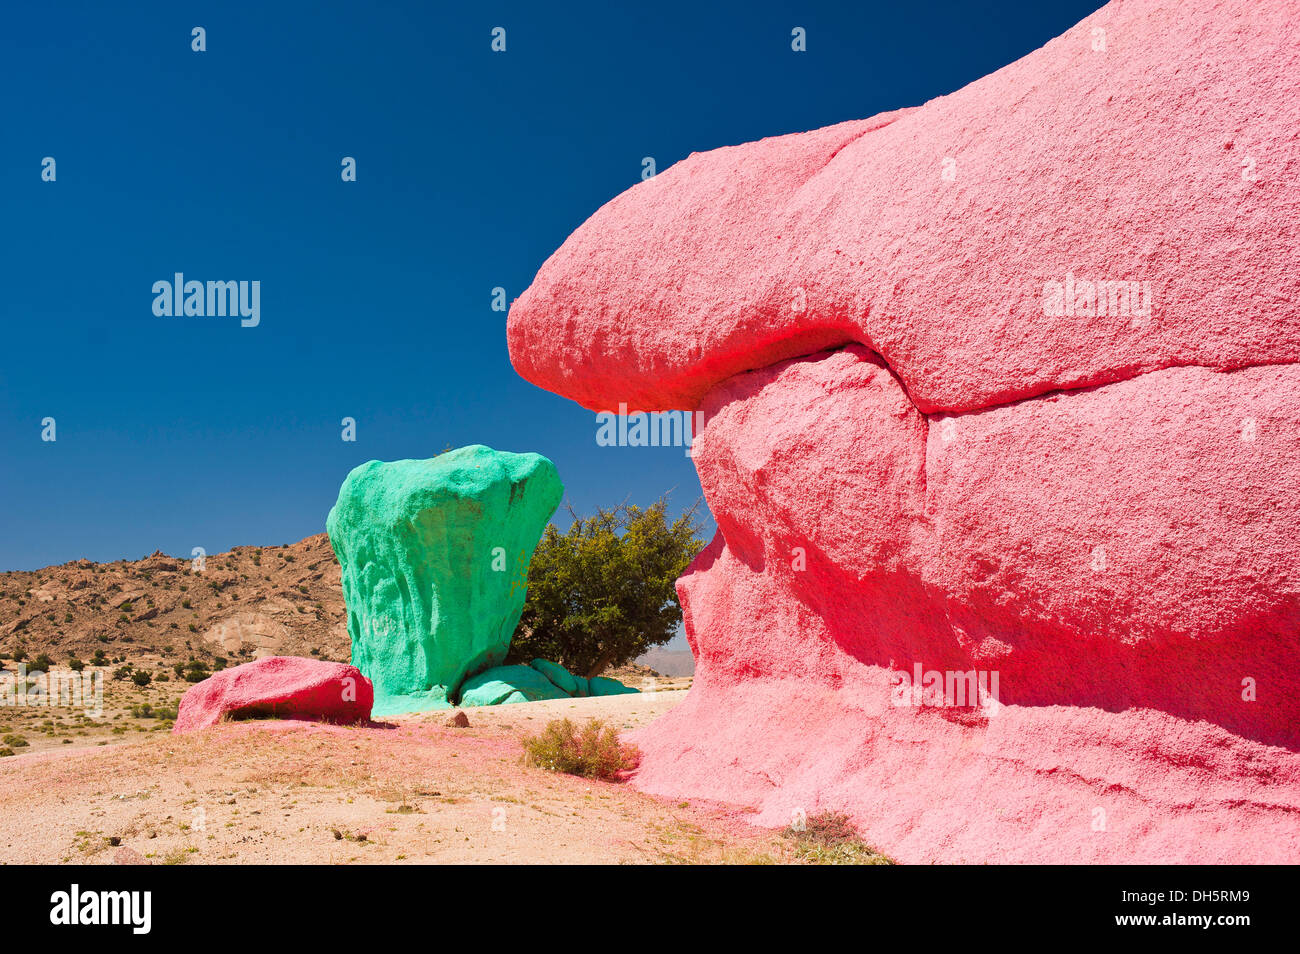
(278, 687)
(1001, 431)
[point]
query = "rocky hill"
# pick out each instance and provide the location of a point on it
(249, 602)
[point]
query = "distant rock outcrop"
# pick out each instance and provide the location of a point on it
(242, 633)
(435, 566)
(250, 601)
(278, 687)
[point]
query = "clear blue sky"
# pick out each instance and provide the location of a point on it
(472, 168)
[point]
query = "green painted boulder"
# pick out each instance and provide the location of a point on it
(435, 566)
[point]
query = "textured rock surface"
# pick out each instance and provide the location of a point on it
(1098, 509)
(435, 566)
(247, 632)
(278, 687)
(1121, 610)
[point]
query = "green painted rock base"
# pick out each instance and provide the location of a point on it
(540, 679)
(414, 702)
(508, 684)
(569, 684)
(603, 686)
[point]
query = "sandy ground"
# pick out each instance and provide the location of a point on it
(408, 790)
(120, 711)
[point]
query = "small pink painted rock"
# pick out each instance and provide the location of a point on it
(1004, 384)
(280, 687)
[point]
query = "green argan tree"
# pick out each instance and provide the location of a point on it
(603, 593)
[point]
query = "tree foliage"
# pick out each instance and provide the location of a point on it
(604, 592)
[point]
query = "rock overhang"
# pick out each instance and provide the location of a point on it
(935, 235)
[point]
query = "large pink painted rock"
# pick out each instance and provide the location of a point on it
(279, 687)
(1003, 385)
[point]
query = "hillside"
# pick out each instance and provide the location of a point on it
(249, 602)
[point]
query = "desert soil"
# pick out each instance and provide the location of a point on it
(408, 790)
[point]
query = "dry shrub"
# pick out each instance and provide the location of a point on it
(593, 751)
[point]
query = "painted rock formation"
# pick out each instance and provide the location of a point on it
(1001, 430)
(435, 566)
(540, 679)
(278, 687)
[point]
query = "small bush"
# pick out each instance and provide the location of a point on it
(5, 752)
(146, 711)
(830, 838)
(15, 741)
(195, 671)
(593, 751)
(75, 664)
(43, 662)
(141, 678)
